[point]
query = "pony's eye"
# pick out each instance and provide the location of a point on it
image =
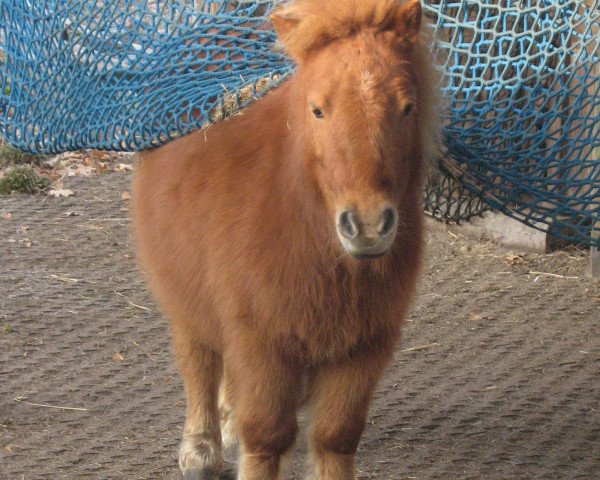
(317, 112)
(408, 109)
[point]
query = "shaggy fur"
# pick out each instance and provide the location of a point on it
(235, 227)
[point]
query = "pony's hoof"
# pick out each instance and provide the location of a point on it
(200, 474)
(231, 454)
(230, 441)
(200, 458)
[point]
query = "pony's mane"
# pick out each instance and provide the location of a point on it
(319, 22)
(431, 101)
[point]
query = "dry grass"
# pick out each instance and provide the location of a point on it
(22, 179)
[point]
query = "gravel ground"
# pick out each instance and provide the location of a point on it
(497, 377)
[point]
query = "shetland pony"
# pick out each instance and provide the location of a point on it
(284, 243)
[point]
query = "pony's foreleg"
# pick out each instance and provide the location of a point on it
(201, 369)
(267, 392)
(340, 400)
(229, 434)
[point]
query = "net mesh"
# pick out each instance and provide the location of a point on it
(523, 79)
(523, 127)
(129, 75)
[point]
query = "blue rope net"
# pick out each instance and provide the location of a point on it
(130, 74)
(522, 77)
(523, 127)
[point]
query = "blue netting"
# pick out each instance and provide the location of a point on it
(130, 74)
(523, 130)
(523, 77)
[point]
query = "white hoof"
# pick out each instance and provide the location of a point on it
(230, 440)
(200, 457)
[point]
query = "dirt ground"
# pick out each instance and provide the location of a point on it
(497, 377)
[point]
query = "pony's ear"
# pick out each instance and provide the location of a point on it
(284, 22)
(407, 22)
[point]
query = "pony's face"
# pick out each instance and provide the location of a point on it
(360, 111)
(358, 108)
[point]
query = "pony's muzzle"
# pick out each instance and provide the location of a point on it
(367, 235)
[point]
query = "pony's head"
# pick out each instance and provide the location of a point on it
(365, 105)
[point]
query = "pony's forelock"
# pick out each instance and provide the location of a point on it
(320, 22)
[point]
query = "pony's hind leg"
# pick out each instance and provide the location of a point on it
(200, 450)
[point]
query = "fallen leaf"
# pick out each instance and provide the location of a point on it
(52, 162)
(6, 216)
(54, 175)
(118, 357)
(70, 156)
(125, 196)
(101, 167)
(97, 154)
(84, 171)
(474, 317)
(123, 167)
(60, 193)
(515, 259)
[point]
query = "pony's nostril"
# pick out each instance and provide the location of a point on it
(389, 219)
(348, 224)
